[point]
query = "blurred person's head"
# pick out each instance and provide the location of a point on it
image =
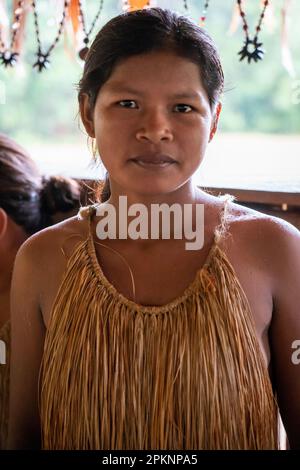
(29, 202)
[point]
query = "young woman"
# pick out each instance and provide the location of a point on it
(28, 203)
(196, 352)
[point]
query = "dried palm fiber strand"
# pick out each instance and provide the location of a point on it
(4, 384)
(186, 375)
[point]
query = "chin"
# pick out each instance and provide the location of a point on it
(156, 188)
(147, 189)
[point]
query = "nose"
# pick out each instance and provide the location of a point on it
(154, 126)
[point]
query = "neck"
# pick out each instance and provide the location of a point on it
(186, 194)
(182, 221)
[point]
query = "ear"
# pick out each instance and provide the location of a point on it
(3, 223)
(215, 121)
(86, 114)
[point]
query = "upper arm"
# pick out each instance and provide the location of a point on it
(285, 327)
(27, 339)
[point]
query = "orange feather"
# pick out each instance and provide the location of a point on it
(74, 14)
(137, 4)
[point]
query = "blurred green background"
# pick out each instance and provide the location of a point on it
(260, 98)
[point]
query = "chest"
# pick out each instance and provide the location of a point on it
(154, 277)
(157, 277)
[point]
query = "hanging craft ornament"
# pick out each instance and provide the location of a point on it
(8, 56)
(204, 12)
(43, 58)
(234, 23)
(71, 29)
(19, 40)
(74, 15)
(286, 55)
(83, 52)
(132, 5)
(252, 48)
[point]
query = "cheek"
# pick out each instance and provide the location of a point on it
(197, 139)
(111, 148)
(105, 134)
(196, 146)
(113, 138)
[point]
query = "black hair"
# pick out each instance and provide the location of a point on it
(26, 196)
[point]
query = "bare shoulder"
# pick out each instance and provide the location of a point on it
(44, 257)
(272, 232)
(245, 214)
(54, 232)
(44, 245)
(274, 241)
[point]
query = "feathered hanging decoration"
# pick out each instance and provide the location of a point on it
(3, 17)
(286, 56)
(137, 4)
(10, 43)
(269, 21)
(74, 15)
(235, 19)
(22, 21)
(73, 30)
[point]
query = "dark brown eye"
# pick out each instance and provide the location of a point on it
(126, 101)
(184, 108)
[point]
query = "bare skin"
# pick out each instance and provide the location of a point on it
(11, 238)
(264, 251)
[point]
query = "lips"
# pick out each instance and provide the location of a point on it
(153, 158)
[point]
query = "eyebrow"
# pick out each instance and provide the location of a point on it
(125, 89)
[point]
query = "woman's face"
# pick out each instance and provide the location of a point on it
(153, 104)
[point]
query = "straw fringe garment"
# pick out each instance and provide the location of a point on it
(186, 375)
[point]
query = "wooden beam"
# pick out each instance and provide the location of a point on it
(282, 199)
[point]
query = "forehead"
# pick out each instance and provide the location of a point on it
(155, 69)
